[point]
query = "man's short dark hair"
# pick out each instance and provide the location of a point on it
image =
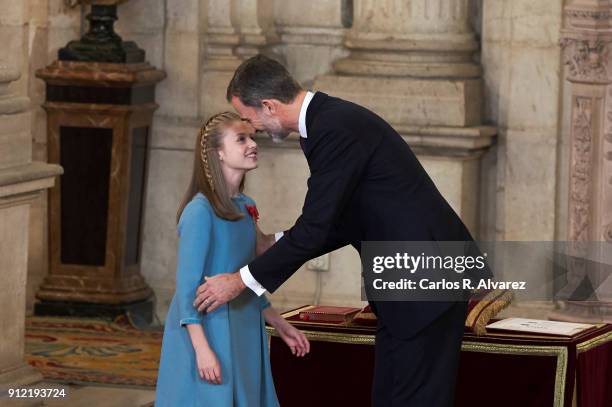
(259, 78)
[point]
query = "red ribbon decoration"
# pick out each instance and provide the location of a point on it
(252, 210)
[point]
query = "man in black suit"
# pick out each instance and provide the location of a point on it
(366, 184)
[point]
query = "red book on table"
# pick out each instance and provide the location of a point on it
(328, 314)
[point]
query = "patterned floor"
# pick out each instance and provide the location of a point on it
(86, 351)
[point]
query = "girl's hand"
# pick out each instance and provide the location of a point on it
(294, 338)
(208, 366)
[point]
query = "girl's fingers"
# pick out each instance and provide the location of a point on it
(217, 373)
(209, 376)
(201, 372)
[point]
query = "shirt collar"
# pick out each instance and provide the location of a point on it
(302, 118)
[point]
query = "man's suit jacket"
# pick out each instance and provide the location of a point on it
(366, 184)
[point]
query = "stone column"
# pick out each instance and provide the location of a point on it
(235, 30)
(255, 23)
(586, 41)
(312, 34)
(220, 60)
(412, 63)
(423, 38)
(21, 181)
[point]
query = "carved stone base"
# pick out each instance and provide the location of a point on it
(139, 311)
(18, 376)
(411, 101)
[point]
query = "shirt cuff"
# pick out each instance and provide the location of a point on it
(278, 235)
(249, 281)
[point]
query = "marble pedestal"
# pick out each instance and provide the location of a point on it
(99, 121)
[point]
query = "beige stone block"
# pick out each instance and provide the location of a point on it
(13, 266)
(38, 265)
(12, 38)
(39, 12)
(13, 12)
(220, 17)
(39, 133)
(38, 58)
(341, 285)
(529, 185)
(62, 16)
(563, 164)
(144, 16)
(536, 23)
(175, 133)
(163, 296)
(534, 88)
(169, 175)
(457, 179)
(182, 15)
(15, 143)
(178, 94)
(487, 212)
(404, 101)
(497, 21)
(313, 13)
(306, 62)
(213, 91)
(298, 290)
(495, 59)
(58, 38)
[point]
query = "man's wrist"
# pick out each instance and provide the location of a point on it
(250, 282)
(240, 283)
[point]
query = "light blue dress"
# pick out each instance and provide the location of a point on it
(209, 245)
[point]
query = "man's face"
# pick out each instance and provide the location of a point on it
(263, 118)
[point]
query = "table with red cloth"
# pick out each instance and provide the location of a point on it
(497, 369)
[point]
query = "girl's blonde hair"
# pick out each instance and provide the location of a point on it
(207, 177)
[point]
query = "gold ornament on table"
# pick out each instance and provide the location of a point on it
(101, 43)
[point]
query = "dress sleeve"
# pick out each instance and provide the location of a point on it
(263, 301)
(195, 229)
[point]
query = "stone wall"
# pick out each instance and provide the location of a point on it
(44, 27)
(22, 178)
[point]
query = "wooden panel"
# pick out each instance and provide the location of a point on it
(85, 154)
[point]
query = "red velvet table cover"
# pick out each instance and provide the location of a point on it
(498, 369)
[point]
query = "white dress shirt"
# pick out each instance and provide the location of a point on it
(245, 273)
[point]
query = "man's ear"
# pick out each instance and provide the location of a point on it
(269, 106)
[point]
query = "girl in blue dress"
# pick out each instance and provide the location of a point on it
(219, 359)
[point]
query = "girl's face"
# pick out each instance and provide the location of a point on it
(238, 149)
